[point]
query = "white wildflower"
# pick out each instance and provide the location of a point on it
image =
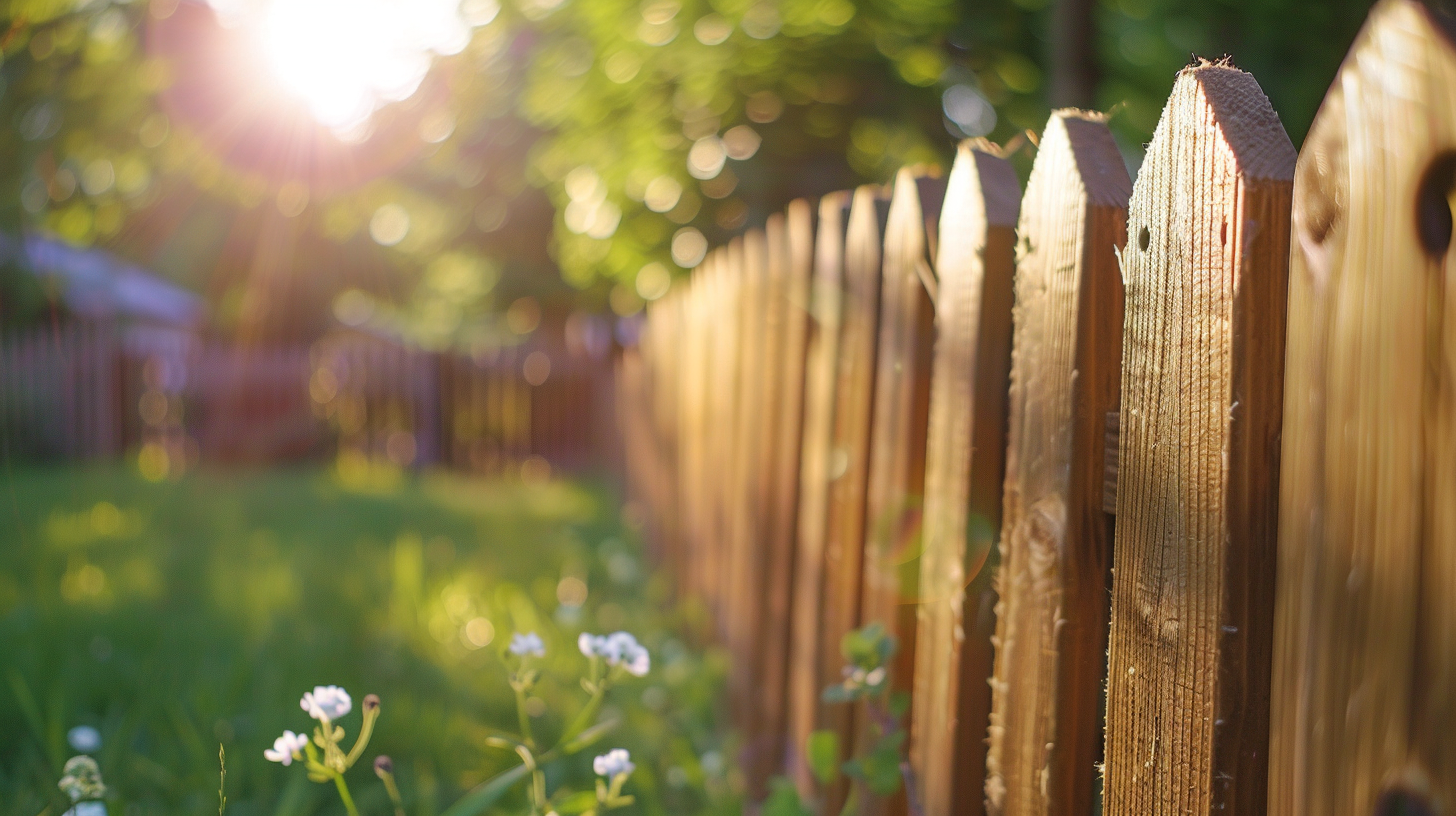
(84, 738)
(876, 676)
(326, 703)
(618, 648)
(613, 763)
(285, 748)
(591, 645)
(528, 644)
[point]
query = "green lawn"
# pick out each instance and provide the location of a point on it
(178, 616)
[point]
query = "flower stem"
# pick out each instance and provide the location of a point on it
(588, 713)
(344, 794)
(523, 717)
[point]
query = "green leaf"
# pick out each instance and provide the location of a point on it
(486, 794)
(899, 704)
(823, 753)
(579, 802)
(588, 737)
(783, 799)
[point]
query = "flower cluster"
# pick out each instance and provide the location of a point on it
(857, 677)
(617, 649)
(614, 767)
(323, 755)
(613, 763)
(528, 644)
(286, 748)
(326, 703)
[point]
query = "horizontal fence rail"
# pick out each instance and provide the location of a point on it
(1186, 440)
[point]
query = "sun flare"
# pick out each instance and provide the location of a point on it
(345, 59)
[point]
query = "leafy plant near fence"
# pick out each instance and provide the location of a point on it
(879, 767)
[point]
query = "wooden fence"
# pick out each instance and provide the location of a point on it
(1189, 440)
(93, 390)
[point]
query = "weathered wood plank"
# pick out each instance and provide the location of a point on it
(786, 313)
(1198, 459)
(1364, 679)
(692, 404)
(723, 298)
(896, 488)
(964, 471)
(1056, 539)
(747, 259)
(826, 301)
(849, 462)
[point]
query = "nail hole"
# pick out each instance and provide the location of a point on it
(1433, 205)
(1403, 802)
(1144, 238)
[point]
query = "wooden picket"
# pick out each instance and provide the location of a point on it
(1192, 595)
(1277, 642)
(849, 467)
(964, 470)
(900, 412)
(805, 680)
(1056, 540)
(1364, 681)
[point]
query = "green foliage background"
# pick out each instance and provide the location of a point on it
(622, 87)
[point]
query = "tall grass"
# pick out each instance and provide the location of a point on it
(180, 615)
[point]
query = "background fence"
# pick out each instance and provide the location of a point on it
(91, 390)
(1188, 439)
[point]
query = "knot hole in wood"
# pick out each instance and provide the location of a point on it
(1434, 201)
(1402, 801)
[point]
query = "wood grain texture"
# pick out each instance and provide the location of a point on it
(964, 471)
(1198, 454)
(724, 296)
(692, 386)
(1056, 540)
(1364, 680)
(752, 450)
(790, 249)
(849, 458)
(895, 493)
(826, 301)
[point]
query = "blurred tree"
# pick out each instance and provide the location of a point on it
(625, 135)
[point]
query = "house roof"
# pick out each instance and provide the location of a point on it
(98, 284)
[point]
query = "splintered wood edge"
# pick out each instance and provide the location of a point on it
(1219, 102)
(1079, 144)
(1246, 120)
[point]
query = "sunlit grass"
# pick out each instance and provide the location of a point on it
(175, 616)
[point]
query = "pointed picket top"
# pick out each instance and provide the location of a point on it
(854, 392)
(897, 439)
(1056, 541)
(1205, 273)
(1365, 645)
(963, 473)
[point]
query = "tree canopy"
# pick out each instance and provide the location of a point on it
(612, 140)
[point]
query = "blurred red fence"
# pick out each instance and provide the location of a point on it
(84, 390)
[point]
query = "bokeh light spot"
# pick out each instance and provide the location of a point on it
(653, 281)
(390, 224)
(688, 247)
(537, 367)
